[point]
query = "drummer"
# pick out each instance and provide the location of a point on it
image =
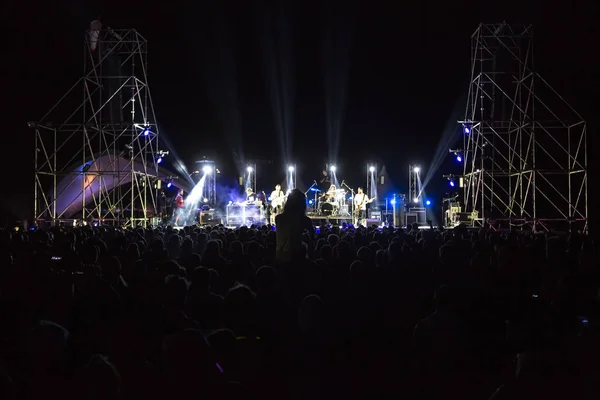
(331, 193)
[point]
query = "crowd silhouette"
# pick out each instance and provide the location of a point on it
(338, 312)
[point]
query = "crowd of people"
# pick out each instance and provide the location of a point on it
(297, 312)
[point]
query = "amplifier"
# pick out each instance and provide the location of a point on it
(376, 215)
(372, 221)
(411, 218)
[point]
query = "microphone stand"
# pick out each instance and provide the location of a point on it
(351, 191)
(316, 190)
(311, 186)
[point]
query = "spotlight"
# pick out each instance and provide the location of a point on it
(169, 184)
(416, 170)
(416, 200)
(372, 168)
(249, 169)
(458, 158)
(146, 131)
(332, 168)
(159, 160)
(311, 202)
(428, 202)
(207, 169)
(452, 183)
(205, 200)
(467, 129)
(393, 201)
(291, 168)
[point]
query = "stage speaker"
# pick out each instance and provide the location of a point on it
(398, 210)
(411, 218)
(375, 215)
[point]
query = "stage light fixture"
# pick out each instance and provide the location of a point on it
(205, 200)
(393, 201)
(169, 184)
(291, 168)
(452, 183)
(428, 202)
(249, 169)
(467, 129)
(416, 200)
(333, 168)
(372, 168)
(417, 170)
(159, 160)
(458, 158)
(207, 169)
(146, 131)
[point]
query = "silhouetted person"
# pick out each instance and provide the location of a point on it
(291, 224)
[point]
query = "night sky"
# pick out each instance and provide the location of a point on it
(389, 80)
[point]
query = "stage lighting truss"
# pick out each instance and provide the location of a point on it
(96, 150)
(371, 181)
(250, 178)
(291, 177)
(209, 172)
(524, 146)
(414, 185)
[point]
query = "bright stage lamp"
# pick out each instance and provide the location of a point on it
(291, 168)
(458, 158)
(372, 169)
(249, 169)
(417, 170)
(428, 202)
(207, 169)
(332, 168)
(416, 200)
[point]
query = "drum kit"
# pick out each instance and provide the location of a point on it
(333, 204)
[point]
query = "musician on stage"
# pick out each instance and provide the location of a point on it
(250, 196)
(179, 204)
(360, 206)
(276, 197)
(325, 180)
(331, 192)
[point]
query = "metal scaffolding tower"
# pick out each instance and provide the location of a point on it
(414, 186)
(525, 150)
(96, 149)
(250, 177)
(208, 172)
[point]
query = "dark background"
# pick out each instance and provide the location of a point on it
(408, 72)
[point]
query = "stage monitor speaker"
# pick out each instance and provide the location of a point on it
(376, 215)
(411, 218)
(373, 221)
(398, 210)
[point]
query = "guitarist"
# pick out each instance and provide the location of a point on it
(277, 199)
(360, 206)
